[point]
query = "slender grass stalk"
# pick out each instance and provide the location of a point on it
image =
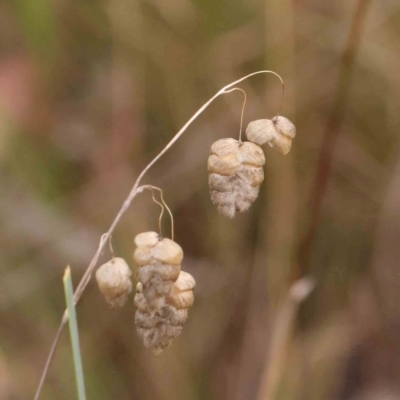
(73, 330)
(281, 337)
(332, 132)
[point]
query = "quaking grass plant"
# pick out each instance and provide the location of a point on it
(165, 292)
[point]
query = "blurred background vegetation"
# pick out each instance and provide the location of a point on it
(91, 91)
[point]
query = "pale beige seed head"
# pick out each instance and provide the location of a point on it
(165, 271)
(234, 185)
(278, 133)
(252, 154)
(282, 144)
(114, 281)
(225, 166)
(254, 176)
(143, 255)
(140, 302)
(223, 158)
(146, 239)
(158, 328)
(182, 295)
(284, 126)
(261, 131)
(184, 282)
(167, 251)
(225, 147)
(159, 266)
(181, 300)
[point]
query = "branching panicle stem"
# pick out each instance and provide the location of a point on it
(133, 193)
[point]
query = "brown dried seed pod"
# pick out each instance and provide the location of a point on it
(235, 175)
(281, 143)
(182, 292)
(225, 147)
(165, 271)
(158, 328)
(159, 266)
(143, 255)
(261, 131)
(278, 133)
(114, 280)
(146, 239)
(167, 251)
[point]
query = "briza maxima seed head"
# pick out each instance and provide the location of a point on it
(278, 133)
(159, 328)
(114, 280)
(159, 266)
(235, 174)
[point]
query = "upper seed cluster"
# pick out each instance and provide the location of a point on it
(235, 175)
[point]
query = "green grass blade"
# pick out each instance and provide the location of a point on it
(73, 329)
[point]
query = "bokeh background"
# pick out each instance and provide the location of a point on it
(91, 91)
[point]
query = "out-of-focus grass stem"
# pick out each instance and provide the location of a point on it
(73, 329)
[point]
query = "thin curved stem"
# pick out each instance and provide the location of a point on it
(49, 359)
(111, 246)
(161, 213)
(262, 72)
(164, 204)
(244, 105)
(133, 193)
(170, 214)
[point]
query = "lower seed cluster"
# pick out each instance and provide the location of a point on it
(164, 292)
(158, 328)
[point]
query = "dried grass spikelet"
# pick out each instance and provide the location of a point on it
(235, 175)
(158, 328)
(278, 133)
(159, 266)
(114, 280)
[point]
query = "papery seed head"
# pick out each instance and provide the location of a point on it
(146, 239)
(159, 266)
(114, 281)
(143, 255)
(182, 292)
(261, 131)
(158, 328)
(167, 251)
(181, 300)
(234, 184)
(281, 143)
(184, 282)
(254, 176)
(164, 292)
(284, 126)
(226, 165)
(165, 271)
(140, 302)
(278, 133)
(250, 153)
(225, 147)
